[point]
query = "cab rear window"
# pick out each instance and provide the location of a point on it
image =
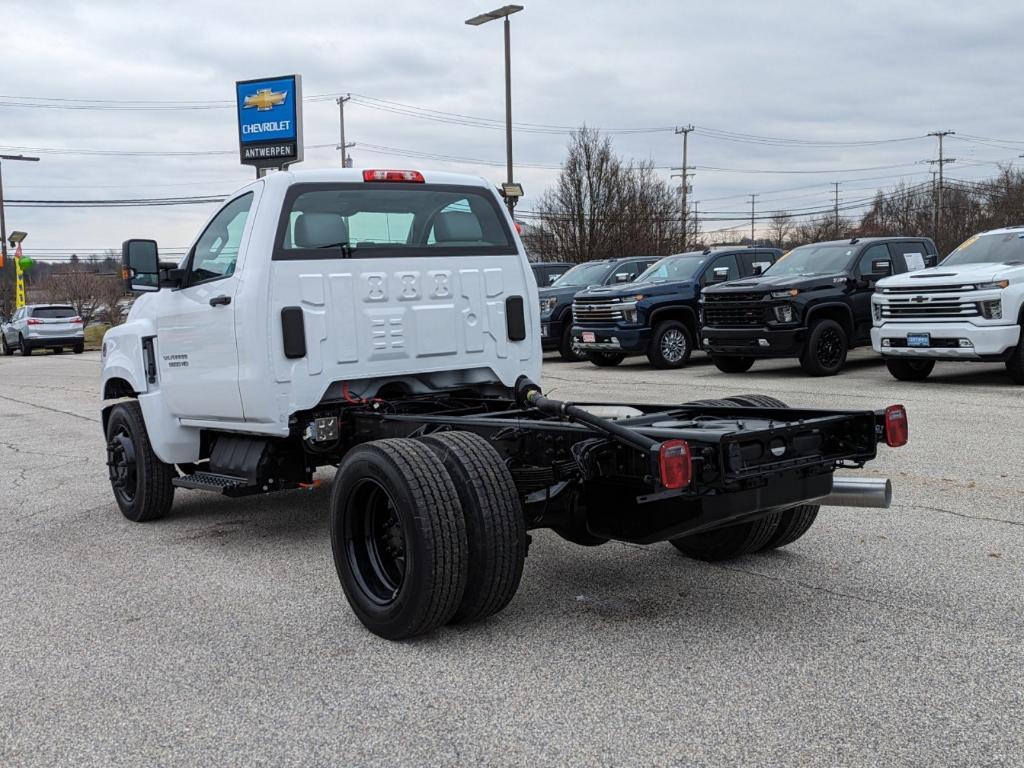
(53, 313)
(379, 220)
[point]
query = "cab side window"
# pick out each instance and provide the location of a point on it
(878, 252)
(727, 263)
(624, 273)
(216, 253)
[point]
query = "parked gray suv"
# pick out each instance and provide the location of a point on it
(43, 326)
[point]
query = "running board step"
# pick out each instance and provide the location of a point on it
(210, 481)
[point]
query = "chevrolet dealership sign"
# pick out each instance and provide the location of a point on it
(270, 121)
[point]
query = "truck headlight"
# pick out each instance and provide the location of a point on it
(785, 294)
(997, 285)
(548, 305)
(992, 309)
(783, 313)
(629, 315)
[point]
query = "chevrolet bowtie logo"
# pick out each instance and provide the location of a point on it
(265, 99)
(919, 299)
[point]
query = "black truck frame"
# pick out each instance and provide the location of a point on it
(435, 493)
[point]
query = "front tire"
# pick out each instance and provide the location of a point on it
(732, 364)
(399, 538)
(495, 526)
(568, 349)
(605, 359)
(141, 482)
(78, 349)
(909, 370)
(670, 346)
(825, 351)
(1015, 363)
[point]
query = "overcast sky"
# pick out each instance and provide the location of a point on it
(801, 71)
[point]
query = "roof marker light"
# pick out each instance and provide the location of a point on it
(387, 175)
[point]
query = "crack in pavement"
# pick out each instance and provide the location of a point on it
(1018, 523)
(48, 408)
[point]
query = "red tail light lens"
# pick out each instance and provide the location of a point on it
(408, 176)
(675, 465)
(75, 320)
(33, 321)
(896, 429)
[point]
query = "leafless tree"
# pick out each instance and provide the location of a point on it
(603, 207)
(81, 289)
(780, 229)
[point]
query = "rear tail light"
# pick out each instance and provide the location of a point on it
(75, 320)
(33, 321)
(896, 429)
(674, 464)
(411, 176)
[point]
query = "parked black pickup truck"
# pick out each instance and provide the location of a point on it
(813, 304)
(556, 299)
(657, 315)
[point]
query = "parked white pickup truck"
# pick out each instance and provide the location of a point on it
(969, 307)
(386, 322)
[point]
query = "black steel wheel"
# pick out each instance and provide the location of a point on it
(569, 347)
(140, 481)
(399, 538)
(825, 350)
(605, 359)
(495, 526)
(671, 345)
(909, 370)
(732, 364)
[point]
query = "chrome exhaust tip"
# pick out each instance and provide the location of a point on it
(864, 492)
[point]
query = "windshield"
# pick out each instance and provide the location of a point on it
(998, 249)
(672, 268)
(814, 259)
(582, 274)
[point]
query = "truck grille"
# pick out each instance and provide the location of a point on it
(931, 308)
(597, 311)
(736, 309)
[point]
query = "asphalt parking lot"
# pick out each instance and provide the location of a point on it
(219, 635)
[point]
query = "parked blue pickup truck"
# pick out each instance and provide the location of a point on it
(657, 314)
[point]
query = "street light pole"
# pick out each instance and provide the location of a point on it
(503, 13)
(3, 220)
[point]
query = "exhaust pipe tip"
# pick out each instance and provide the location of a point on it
(861, 492)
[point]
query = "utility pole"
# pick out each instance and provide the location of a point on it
(836, 209)
(3, 222)
(696, 219)
(935, 208)
(346, 161)
(752, 197)
(685, 171)
(942, 162)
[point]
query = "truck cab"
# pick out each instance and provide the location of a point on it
(556, 300)
(968, 308)
(656, 315)
(310, 287)
(813, 304)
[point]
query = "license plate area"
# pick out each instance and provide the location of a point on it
(919, 340)
(589, 337)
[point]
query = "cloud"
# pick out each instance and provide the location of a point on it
(807, 70)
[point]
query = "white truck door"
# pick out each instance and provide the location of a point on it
(197, 350)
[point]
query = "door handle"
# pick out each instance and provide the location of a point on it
(220, 301)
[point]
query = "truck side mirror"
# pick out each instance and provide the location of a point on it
(622, 277)
(140, 265)
(758, 269)
(720, 275)
(880, 268)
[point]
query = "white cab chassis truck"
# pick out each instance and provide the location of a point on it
(386, 323)
(970, 307)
